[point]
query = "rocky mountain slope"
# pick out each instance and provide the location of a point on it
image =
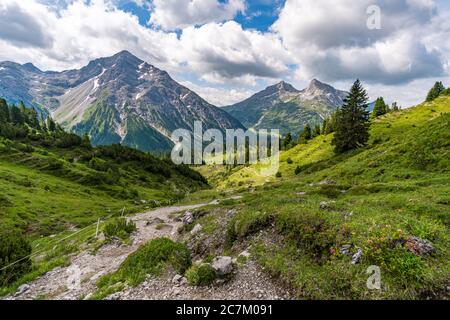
(284, 107)
(114, 99)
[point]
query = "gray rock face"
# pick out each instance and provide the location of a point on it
(222, 265)
(136, 103)
(420, 247)
(22, 289)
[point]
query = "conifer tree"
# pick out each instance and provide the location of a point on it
(16, 116)
(352, 122)
(380, 108)
(316, 131)
(437, 89)
(4, 111)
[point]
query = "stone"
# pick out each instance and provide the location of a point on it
(345, 249)
(188, 218)
(245, 254)
(324, 205)
(22, 289)
(197, 229)
(420, 247)
(222, 265)
(177, 279)
(356, 258)
(326, 183)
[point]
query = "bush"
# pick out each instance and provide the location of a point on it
(201, 275)
(14, 247)
(289, 161)
(120, 228)
(150, 258)
(298, 170)
(278, 175)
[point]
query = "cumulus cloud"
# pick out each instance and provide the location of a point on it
(20, 28)
(332, 40)
(178, 14)
(218, 96)
(223, 52)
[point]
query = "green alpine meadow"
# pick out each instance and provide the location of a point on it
(225, 158)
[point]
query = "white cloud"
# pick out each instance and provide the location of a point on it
(225, 52)
(218, 96)
(332, 40)
(178, 14)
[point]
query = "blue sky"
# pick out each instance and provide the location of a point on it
(227, 50)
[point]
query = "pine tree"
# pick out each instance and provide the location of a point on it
(51, 125)
(287, 140)
(16, 116)
(307, 131)
(395, 107)
(316, 131)
(380, 108)
(437, 89)
(352, 122)
(4, 111)
(324, 126)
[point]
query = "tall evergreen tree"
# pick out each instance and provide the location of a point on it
(4, 111)
(316, 131)
(16, 115)
(287, 140)
(51, 125)
(380, 108)
(437, 89)
(352, 122)
(395, 107)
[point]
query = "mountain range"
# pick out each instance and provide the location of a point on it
(122, 99)
(283, 107)
(118, 99)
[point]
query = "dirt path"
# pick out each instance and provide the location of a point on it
(61, 282)
(249, 281)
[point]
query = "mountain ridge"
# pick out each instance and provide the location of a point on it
(283, 106)
(116, 99)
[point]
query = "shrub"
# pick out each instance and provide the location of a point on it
(151, 258)
(13, 247)
(298, 170)
(278, 175)
(120, 228)
(289, 161)
(201, 275)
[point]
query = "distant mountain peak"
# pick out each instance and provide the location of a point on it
(318, 85)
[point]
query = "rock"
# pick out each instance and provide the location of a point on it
(88, 296)
(114, 296)
(144, 201)
(22, 289)
(188, 218)
(324, 205)
(222, 265)
(176, 291)
(420, 247)
(197, 229)
(301, 193)
(177, 278)
(245, 254)
(356, 258)
(326, 183)
(345, 249)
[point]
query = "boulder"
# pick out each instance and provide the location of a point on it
(188, 218)
(420, 247)
(345, 249)
(222, 265)
(197, 229)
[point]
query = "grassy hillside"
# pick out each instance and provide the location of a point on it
(375, 199)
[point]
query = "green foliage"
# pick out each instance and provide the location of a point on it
(352, 125)
(201, 275)
(14, 257)
(306, 134)
(434, 92)
(381, 108)
(287, 140)
(150, 258)
(119, 228)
